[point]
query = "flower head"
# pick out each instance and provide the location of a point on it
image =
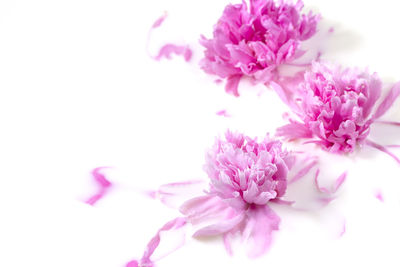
(244, 171)
(254, 40)
(335, 106)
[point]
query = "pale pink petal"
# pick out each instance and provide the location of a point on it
(102, 182)
(339, 181)
(223, 226)
(335, 187)
(232, 84)
(227, 238)
(283, 94)
(388, 101)
(379, 195)
(303, 171)
(260, 224)
(223, 113)
(383, 149)
(176, 223)
(294, 130)
(343, 231)
(375, 88)
(169, 49)
(320, 188)
(394, 123)
(174, 194)
(204, 208)
(160, 20)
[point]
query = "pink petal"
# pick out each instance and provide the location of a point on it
(174, 194)
(283, 94)
(338, 183)
(176, 223)
(379, 196)
(223, 113)
(303, 171)
(261, 222)
(383, 149)
(394, 123)
(223, 226)
(169, 49)
(232, 84)
(104, 184)
(294, 130)
(388, 101)
(132, 263)
(343, 229)
(375, 88)
(203, 208)
(160, 20)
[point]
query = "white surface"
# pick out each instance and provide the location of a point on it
(78, 91)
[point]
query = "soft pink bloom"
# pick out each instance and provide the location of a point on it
(336, 107)
(245, 175)
(245, 172)
(254, 40)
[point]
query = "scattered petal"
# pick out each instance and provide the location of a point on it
(102, 182)
(343, 230)
(223, 113)
(383, 149)
(176, 223)
(160, 20)
(167, 50)
(303, 171)
(379, 195)
(330, 192)
(388, 101)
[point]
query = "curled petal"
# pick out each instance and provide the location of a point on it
(388, 101)
(260, 224)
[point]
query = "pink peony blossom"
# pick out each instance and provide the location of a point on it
(245, 175)
(245, 172)
(254, 40)
(335, 106)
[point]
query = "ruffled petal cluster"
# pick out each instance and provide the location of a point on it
(253, 40)
(244, 171)
(335, 106)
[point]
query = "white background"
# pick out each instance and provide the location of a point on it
(79, 91)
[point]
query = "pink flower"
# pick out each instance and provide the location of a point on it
(335, 106)
(245, 176)
(253, 41)
(245, 172)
